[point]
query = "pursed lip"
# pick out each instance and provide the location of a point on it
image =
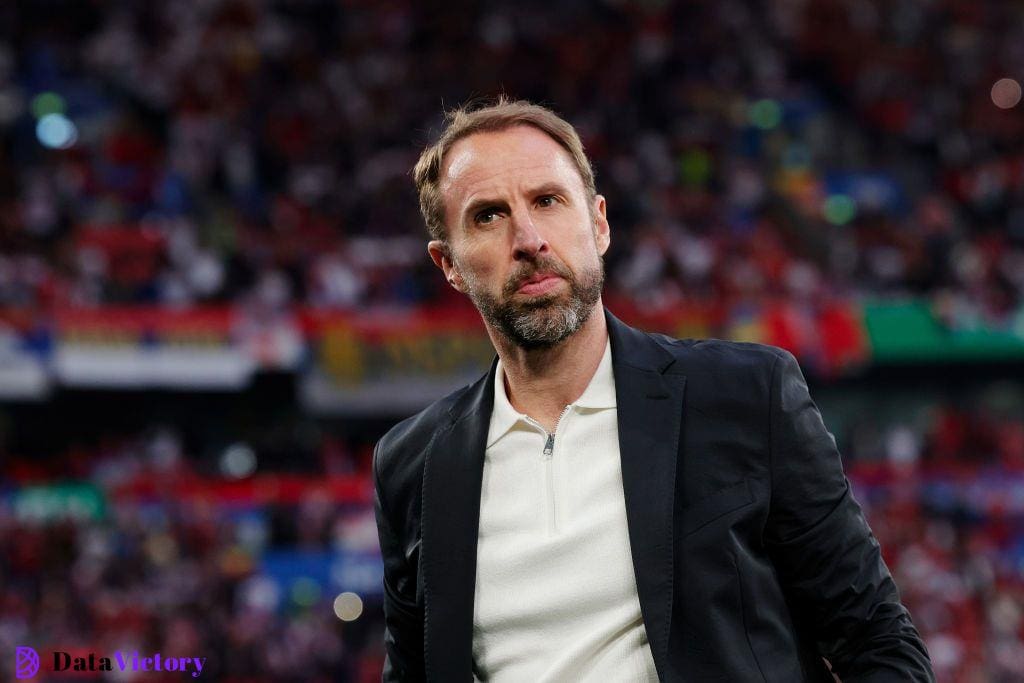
(538, 283)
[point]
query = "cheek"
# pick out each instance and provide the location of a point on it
(475, 265)
(590, 247)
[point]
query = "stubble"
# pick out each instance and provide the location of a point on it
(539, 322)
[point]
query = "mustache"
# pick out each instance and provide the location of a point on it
(531, 268)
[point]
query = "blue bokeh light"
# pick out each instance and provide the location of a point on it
(56, 131)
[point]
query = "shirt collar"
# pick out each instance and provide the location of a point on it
(599, 394)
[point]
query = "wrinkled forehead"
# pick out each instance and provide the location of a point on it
(500, 158)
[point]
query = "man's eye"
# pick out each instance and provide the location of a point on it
(486, 216)
(546, 201)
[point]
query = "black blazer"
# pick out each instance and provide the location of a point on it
(753, 561)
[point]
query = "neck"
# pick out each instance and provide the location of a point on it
(541, 382)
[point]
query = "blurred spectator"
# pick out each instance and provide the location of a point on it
(788, 149)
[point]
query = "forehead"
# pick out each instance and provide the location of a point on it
(504, 160)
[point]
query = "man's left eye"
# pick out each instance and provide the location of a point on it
(546, 200)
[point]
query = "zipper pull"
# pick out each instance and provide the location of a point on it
(549, 447)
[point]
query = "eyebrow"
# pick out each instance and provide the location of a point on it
(551, 188)
(478, 205)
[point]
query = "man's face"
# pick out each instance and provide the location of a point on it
(524, 240)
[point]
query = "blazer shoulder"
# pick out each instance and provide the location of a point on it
(723, 373)
(399, 453)
(724, 355)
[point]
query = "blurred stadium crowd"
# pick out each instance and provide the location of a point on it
(257, 153)
(218, 150)
(173, 548)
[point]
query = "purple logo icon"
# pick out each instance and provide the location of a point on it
(27, 662)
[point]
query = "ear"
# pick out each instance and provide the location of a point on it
(602, 231)
(440, 254)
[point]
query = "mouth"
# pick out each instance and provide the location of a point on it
(539, 283)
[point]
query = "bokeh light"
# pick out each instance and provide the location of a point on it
(765, 114)
(260, 593)
(238, 461)
(796, 157)
(305, 592)
(839, 209)
(695, 166)
(1006, 93)
(348, 606)
(46, 103)
(56, 131)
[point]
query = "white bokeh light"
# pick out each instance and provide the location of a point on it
(348, 606)
(238, 461)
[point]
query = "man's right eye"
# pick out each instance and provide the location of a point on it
(486, 216)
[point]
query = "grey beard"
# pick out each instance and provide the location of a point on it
(546, 321)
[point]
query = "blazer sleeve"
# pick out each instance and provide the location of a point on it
(828, 561)
(403, 615)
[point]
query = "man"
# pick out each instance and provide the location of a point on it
(606, 504)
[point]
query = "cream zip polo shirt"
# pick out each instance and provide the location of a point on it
(556, 596)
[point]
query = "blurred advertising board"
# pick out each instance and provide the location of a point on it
(23, 372)
(925, 332)
(392, 361)
(395, 361)
(75, 501)
(399, 361)
(144, 347)
(196, 348)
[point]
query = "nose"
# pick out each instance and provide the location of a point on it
(527, 242)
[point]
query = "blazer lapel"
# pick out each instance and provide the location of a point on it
(452, 475)
(650, 408)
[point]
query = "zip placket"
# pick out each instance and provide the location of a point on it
(549, 445)
(549, 474)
